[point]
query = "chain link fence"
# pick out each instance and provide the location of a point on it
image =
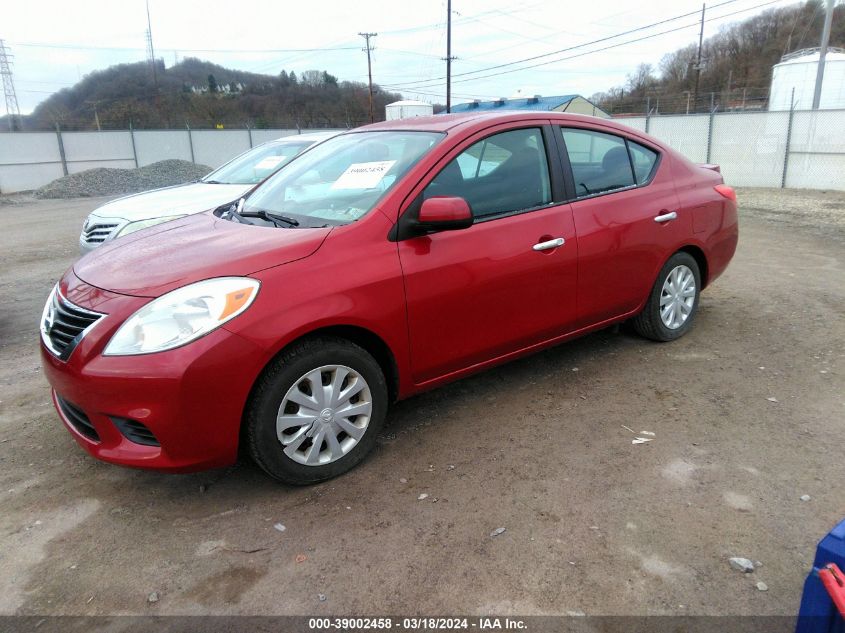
(746, 99)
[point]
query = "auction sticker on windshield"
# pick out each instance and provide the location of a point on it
(363, 175)
(269, 162)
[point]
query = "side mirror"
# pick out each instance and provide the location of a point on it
(445, 213)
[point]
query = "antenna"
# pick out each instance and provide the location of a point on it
(150, 49)
(12, 109)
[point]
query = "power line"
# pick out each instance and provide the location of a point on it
(454, 94)
(80, 47)
(411, 85)
(577, 46)
(427, 27)
(337, 45)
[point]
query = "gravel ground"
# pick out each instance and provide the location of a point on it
(105, 181)
(747, 412)
(820, 212)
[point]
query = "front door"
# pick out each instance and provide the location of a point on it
(508, 281)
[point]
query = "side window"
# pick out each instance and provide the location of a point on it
(643, 160)
(502, 173)
(599, 161)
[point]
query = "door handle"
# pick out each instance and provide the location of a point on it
(544, 246)
(666, 217)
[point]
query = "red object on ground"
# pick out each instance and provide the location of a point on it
(834, 581)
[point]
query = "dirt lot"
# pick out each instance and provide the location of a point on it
(748, 413)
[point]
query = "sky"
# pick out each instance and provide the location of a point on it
(56, 43)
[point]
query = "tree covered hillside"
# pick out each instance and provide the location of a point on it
(202, 94)
(736, 63)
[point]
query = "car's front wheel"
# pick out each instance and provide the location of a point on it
(316, 411)
(671, 307)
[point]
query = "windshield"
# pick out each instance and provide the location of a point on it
(255, 165)
(340, 180)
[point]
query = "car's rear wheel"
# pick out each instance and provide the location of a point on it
(671, 307)
(316, 411)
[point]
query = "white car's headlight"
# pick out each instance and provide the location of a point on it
(144, 224)
(183, 315)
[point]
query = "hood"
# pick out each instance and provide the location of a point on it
(178, 200)
(162, 258)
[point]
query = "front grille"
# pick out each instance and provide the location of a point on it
(64, 324)
(136, 432)
(98, 233)
(77, 419)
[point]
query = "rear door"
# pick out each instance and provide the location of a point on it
(482, 292)
(626, 215)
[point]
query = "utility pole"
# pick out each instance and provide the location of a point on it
(367, 37)
(12, 109)
(828, 19)
(449, 56)
(698, 60)
(96, 115)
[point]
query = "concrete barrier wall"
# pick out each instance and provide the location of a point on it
(755, 149)
(29, 160)
(800, 149)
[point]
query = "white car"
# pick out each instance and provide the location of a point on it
(225, 184)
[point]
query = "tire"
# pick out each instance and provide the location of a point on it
(283, 452)
(649, 323)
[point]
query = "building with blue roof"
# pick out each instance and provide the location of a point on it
(563, 103)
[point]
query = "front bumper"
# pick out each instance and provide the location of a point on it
(190, 398)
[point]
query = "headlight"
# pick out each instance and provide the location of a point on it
(145, 224)
(183, 315)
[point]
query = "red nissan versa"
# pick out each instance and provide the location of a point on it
(385, 261)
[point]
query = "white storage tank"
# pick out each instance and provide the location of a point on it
(407, 109)
(798, 70)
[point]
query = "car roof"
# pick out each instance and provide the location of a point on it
(314, 137)
(465, 120)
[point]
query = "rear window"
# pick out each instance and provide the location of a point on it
(643, 159)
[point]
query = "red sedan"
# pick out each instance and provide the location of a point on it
(383, 262)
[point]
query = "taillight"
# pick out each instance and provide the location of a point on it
(726, 192)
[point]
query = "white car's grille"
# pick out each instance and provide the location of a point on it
(98, 233)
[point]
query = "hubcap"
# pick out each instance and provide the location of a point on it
(677, 297)
(324, 415)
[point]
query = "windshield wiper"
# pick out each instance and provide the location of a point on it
(236, 211)
(214, 182)
(275, 218)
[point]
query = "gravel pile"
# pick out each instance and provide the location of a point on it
(104, 181)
